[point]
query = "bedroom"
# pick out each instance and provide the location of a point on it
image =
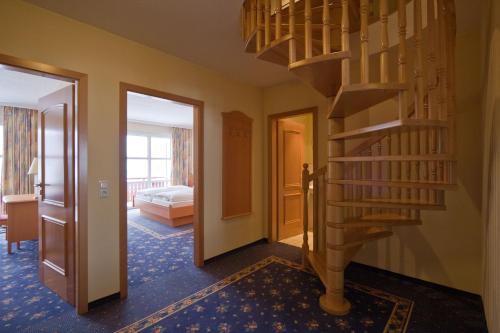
(160, 203)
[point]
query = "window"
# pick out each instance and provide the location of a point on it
(149, 160)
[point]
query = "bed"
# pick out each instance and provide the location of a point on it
(172, 205)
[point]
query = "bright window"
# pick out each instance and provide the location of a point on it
(149, 160)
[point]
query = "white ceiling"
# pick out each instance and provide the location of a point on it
(24, 90)
(157, 111)
(206, 32)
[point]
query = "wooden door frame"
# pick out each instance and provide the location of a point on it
(272, 120)
(81, 187)
(198, 224)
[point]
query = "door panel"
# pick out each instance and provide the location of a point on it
(57, 193)
(290, 160)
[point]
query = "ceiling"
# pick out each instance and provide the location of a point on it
(157, 111)
(24, 90)
(205, 32)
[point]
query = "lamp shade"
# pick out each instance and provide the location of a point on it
(33, 167)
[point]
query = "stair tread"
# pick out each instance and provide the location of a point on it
(387, 127)
(361, 223)
(357, 238)
(381, 158)
(354, 98)
(277, 51)
(398, 204)
(322, 72)
(396, 183)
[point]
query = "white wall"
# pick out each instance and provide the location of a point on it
(33, 33)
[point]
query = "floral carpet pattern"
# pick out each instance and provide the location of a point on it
(153, 254)
(276, 295)
(23, 299)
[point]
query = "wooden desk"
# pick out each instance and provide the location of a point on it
(22, 221)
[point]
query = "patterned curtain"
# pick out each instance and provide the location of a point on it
(182, 151)
(20, 144)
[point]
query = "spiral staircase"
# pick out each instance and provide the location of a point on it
(400, 161)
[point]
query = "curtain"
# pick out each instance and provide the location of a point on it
(182, 151)
(20, 145)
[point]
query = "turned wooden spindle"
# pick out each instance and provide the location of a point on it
(346, 65)
(258, 39)
(292, 46)
(267, 22)
(365, 57)
(277, 21)
(308, 29)
(326, 27)
(419, 77)
(305, 214)
(384, 41)
(253, 15)
(336, 25)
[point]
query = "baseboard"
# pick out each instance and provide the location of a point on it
(222, 255)
(425, 283)
(104, 300)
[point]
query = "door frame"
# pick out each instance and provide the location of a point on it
(81, 155)
(198, 148)
(272, 143)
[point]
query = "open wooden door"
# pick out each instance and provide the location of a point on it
(290, 159)
(57, 192)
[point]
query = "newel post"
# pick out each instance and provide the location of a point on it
(305, 190)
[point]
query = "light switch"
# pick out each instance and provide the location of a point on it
(103, 189)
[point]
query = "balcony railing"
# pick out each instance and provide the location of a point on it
(137, 184)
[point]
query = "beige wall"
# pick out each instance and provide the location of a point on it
(33, 33)
(447, 249)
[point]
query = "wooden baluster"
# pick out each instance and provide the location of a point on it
(326, 27)
(336, 27)
(278, 19)
(308, 29)
(403, 97)
(292, 56)
(432, 83)
(450, 22)
(346, 65)
(365, 57)
(253, 15)
(267, 22)
(384, 42)
(259, 25)
(419, 78)
(305, 214)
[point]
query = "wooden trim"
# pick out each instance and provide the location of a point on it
(271, 140)
(198, 107)
(81, 102)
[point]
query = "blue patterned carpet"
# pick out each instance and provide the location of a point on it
(276, 295)
(247, 290)
(23, 299)
(155, 250)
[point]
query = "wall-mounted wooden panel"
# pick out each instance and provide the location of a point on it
(236, 164)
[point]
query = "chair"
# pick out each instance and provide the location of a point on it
(3, 223)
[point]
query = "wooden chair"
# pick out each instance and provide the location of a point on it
(3, 223)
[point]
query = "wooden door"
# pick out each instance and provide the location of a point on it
(56, 223)
(290, 159)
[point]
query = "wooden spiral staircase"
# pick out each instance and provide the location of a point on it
(383, 173)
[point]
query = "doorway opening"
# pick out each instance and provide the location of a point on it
(161, 163)
(42, 191)
(292, 143)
